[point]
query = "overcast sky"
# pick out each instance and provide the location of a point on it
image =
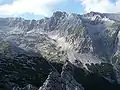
(35, 9)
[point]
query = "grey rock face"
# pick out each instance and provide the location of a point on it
(28, 87)
(90, 38)
(67, 75)
(65, 81)
(53, 82)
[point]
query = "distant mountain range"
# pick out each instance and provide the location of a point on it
(63, 52)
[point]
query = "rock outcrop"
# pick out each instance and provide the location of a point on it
(28, 87)
(65, 81)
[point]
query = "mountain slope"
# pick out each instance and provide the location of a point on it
(90, 41)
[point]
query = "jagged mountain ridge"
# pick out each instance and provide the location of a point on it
(72, 29)
(81, 39)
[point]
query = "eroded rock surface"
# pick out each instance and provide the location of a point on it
(90, 41)
(63, 81)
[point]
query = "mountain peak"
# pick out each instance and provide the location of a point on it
(59, 14)
(91, 14)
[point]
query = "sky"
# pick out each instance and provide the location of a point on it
(37, 9)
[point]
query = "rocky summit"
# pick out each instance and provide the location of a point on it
(66, 51)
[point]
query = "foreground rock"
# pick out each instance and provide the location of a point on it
(65, 81)
(28, 87)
